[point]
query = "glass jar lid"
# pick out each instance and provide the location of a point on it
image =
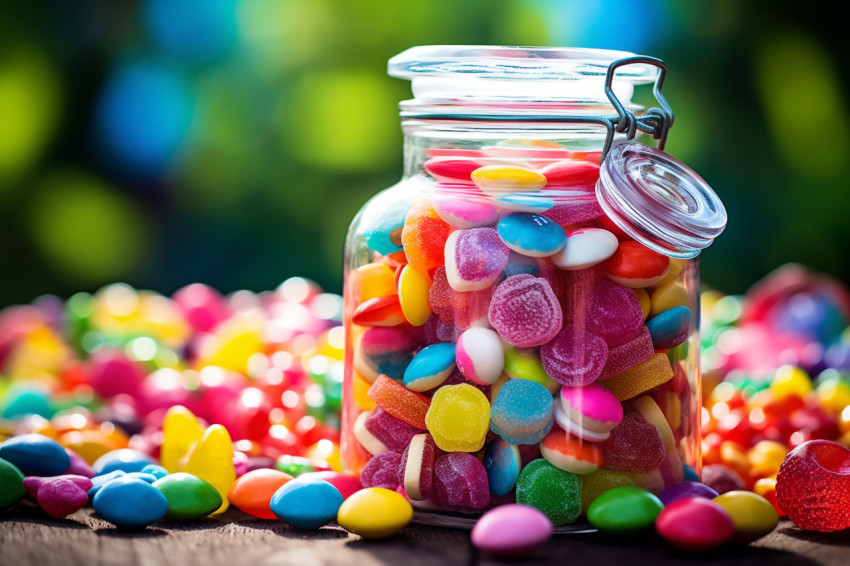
(659, 201)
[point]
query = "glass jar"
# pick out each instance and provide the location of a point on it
(522, 308)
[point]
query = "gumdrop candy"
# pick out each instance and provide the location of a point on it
(634, 446)
(211, 459)
(393, 433)
(522, 412)
(384, 350)
(459, 418)
(461, 482)
(554, 492)
(474, 259)
(525, 311)
(399, 401)
(628, 355)
(424, 237)
(574, 357)
(180, 431)
(595, 484)
(416, 471)
(813, 486)
(381, 471)
(614, 313)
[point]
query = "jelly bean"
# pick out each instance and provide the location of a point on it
(753, 515)
(614, 313)
(721, 478)
(35, 455)
(634, 446)
(127, 460)
(596, 483)
(252, 492)
(372, 280)
(347, 483)
(641, 378)
(585, 247)
(480, 355)
(203, 306)
(695, 524)
(189, 497)
(180, 430)
(635, 265)
(503, 462)
(554, 492)
(624, 511)
(571, 173)
(452, 169)
(130, 503)
(496, 180)
(384, 350)
(63, 495)
(766, 487)
(382, 229)
(382, 471)
(511, 530)
(670, 328)
(571, 454)
(112, 373)
(461, 482)
(647, 408)
(685, 489)
(458, 418)
(526, 364)
(306, 502)
(474, 258)
(628, 355)
(375, 513)
(211, 459)
(465, 213)
(416, 471)
(11, 484)
(668, 296)
(531, 235)
(380, 311)
(400, 402)
(424, 238)
(574, 358)
(413, 288)
(430, 367)
(644, 300)
(591, 412)
(522, 412)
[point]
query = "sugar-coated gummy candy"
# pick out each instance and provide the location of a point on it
(252, 492)
(423, 238)
(614, 313)
(459, 418)
(306, 502)
(480, 355)
(628, 355)
(685, 489)
(522, 412)
(574, 357)
(11, 484)
(595, 484)
(416, 471)
(461, 482)
(62, 495)
(382, 471)
(635, 265)
(669, 328)
(695, 524)
(583, 208)
(395, 434)
(503, 463)
(624, 511)
(474, 259)
(641, 378)
(571, 454)
(511, 530)
(634, 446)
(35, 455)
(430, 367)
(531, 234)
(413, 288)
(752, 514)
(400, 402)
(375, 513)
(384, 350)
(525, 311)
(647, 408)
(130, 503)
(813, 486)
(554, 492)
(189, 497)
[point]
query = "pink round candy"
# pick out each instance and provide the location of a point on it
(475, 259)
(394, 433)
(592, 410)
(461, 482)
(634, 445)
(464, 213)
(112, 373)
(511, 530)
(480, 356)
(348, 484)
(382, 471)
(203, 306)
(695, 524)
(525, 311)
(614, 313)
(575, 357)
(452, 169)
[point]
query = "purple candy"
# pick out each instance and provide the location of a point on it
(630, 354)
(614, 313)
(462, 483)
(575, 358)
(686, 489)
(382, 471)
(525, 311)
(395, 434)
(475, 259)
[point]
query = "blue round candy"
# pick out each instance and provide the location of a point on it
(525, 203)
(156, 471)
(430, 367)
(98, 482)
(36, 455)
(522, 412)
(670, 328)
(130, 503)
(690, 474)
(306, 502)
(531, 234)
(383, 230)
(125, 459)
(503, 463)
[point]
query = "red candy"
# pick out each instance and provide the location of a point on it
(635, 265)
(634, 446)
(452, 169)
(571, 174)
(394, 433)
(380, 311)
(525, 311)
(424, 237)
(416, 472)
(813, 486)
(622, 357)
(695, 524)
(399, 401)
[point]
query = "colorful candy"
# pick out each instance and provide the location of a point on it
(430, 367)
(413, 288)
(695, 524)
(130, 503)
(531, 235)
(574, 358)
(252, 492)
(189, 497)
(496, 180)
(585, 247)
(591, 412)
(35, 455)
(635, 265)
(641, 378)
(525, 311)
(416, 468)
(480, 355)
(571, 454)
(475, 259)
(59, 496)
(503, 463)
(634, 445)
(624, 511)
(306, 502)
(596, 483)
(554, 492)
(11, 484)
(400, 402)
(521, 412)
(458, 418)
(670, 327)
(461, 482)
(753, 515)
(511, 530)
(375, 513)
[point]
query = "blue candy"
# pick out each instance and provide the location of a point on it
(383, 230)
(125, 459)
(525, 203)
(670, 328)
(98, 482)
(690, 474)
(531, 234)
(503, 463)
(518, 263)
(306, 502)
(36, 455)
(522, 412)
(130, 503)
(430, 367)
(156, 471)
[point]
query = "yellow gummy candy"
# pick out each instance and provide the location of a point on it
(212, 460)
(413, 288)
(181, 431)
(498, 179)
(373, 280)
(458, 418)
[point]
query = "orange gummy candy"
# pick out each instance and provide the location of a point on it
(424, 238)
(399, 401)
(640, 378)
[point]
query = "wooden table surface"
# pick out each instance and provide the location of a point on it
(28, 537)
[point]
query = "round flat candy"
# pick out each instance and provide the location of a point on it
(635, 265)
(571, 173)
(624, 511)
(574, 357)
(695, 524)
(252, 492)
(382, 471)
(503, 463)
(189, 497)
(384, 350)
(480, 356)
(382, 231)
(35, 455)
(522, 412)
(595, 484)
(475, 259)
(306, 502)
(380, 311)
(347, 483)
(452, 169)
(669, 328)
(524, 203)
(375, 513)
(753, 515)
(592, 411)
(585, 247)
(413, 288)
(459, 418)
(571, 454)
(130, 503)
(531, 234)
(553, 491)
(634, 446)
(497, 180)
(461, 483)
(430, 367)
(511, 530)
(525, 311)
(465, 213)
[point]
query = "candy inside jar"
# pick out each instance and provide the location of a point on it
(521, 310)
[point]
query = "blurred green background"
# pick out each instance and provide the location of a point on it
(161, 142)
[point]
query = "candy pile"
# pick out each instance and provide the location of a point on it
(510, 343)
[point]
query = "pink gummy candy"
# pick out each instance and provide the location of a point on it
(525, 311)
(568, 214)
(435, 330)
(462, 483)
(813, 486)
(575, 358)
(382, 471)
(614, 313)
(635, 445)
(63, 495)
(459, 308)
(420, 458)
(722, 479)
(630, 354)
(475, 259)
(394, 433)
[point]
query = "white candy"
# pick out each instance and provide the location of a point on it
(480, 355)
(585, 247)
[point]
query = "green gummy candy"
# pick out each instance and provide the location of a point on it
(553, 491)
